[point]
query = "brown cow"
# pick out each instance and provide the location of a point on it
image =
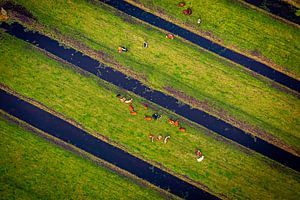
(176, 123)
(171, 121)
(133, 113)
(159, 137)
(123, 99)
(181, 4)
(145, 106)
(187, 11)
(170, 36)
(147, 118)
(181, 129)
(131, 108)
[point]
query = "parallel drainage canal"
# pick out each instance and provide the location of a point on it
(79, 138)
(245, 61)
(121, 80)
(279, 8)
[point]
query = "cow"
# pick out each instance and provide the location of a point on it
(145, 106)
(199, 155)
(159, 137)
(151, 136)
(170, 36)
(123, 99)
(181, 4)
(147, 118)
(176, 123)
(171, 121)
(187, 11)
(181, 129)
(131, 108)
(133, 113)
(128, 101)
(166, 139)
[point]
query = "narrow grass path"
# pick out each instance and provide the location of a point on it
(227, 169)
(32, 168)
(210, 80)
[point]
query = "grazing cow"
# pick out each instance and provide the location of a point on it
(122, 49)
(128, 100)
(181, 129)
(133, 113)
(145, 106)
(176, 123)
(145, 44)
(147, 118)
(187, 11)
(171, 121)
(166, 139)
(131, 108)
(170, 36)
(3, 15)
(159, 137)
(181, 4)
(151, 136)
(199, 155)
(200, 158)
(156, 116)
(198, 152)
(123, 99)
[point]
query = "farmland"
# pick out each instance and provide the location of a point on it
(34, 168)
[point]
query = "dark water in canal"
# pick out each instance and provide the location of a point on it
(279, 8)
(245, 61)
(121, 80)
(79, 138)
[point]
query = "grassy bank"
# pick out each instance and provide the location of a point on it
(239, 27)
(165, 63)
(226, 169)
(32, 168)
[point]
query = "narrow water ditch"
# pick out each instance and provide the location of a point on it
(279, 8)
(83, 140)
(121, 80)
(238, 58)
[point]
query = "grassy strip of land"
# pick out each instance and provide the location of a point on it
(226, 169)
(239, 27)
(295, 3)
(209, 79)
(32, 168)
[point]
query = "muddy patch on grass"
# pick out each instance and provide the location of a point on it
(224, 115)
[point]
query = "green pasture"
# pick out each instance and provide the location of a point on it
(174, 63)
(239, 27)
(226, 170)
(33, 168)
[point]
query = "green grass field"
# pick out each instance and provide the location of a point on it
(182, 66)
(32, 168)
(238, 27)
(226, 169)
